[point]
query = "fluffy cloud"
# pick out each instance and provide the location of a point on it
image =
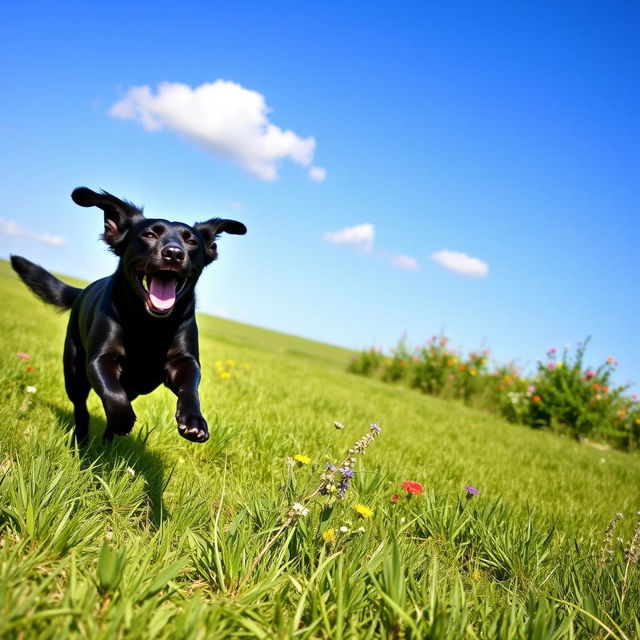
(225, 119)
(461, 263)
(317, 174)
(11, 228)
(406, 263)
(359, 237)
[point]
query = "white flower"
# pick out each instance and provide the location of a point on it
(299, 509)
(31, 389)
(361, 529)
(338, 425)
(131, 471)
(344, 529)
(403, 520)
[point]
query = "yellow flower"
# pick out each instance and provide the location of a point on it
(476, 575)
(560, 365)
(363, 511)
(473, 372)
(302, 459)
(329, 536)
(246, 367)
(231, 363)
(219, 364)
(225, 375)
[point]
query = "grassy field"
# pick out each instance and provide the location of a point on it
(153, 536)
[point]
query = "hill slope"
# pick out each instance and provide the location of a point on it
(158, 498)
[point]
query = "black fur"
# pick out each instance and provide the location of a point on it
(136, 329)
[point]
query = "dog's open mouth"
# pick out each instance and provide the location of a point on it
(161, 290)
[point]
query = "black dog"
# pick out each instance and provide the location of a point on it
(131, 332)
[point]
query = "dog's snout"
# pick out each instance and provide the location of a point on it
(172, 253)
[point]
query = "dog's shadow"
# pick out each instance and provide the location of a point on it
(129, 454)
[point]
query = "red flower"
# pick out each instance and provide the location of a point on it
(412, 487)
(395, 497)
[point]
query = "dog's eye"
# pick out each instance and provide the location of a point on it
(149, 234)
(191, 242)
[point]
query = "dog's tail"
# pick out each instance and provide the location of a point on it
(44, 285)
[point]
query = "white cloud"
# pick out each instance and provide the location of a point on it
(405, 263)
(222, 117)
(461, 263)
(11, 228)
(360, 237)
(317, 174)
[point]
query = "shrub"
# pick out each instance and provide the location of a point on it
(563, 394)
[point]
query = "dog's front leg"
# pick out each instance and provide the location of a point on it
(183, 378)
(104, 375)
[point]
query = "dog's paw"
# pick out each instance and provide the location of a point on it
(120, 419)
(193, 428)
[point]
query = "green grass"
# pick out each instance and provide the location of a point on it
(156, 537)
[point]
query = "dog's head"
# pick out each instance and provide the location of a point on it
(161, 260)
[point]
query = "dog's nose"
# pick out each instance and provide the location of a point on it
(172, 253)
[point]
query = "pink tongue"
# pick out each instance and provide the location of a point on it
(162, 293)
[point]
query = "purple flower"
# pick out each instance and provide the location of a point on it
(375, 427)
(331, 467)
(346, 472)
(472, 491)
(342, 488)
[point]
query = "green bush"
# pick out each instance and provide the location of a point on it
(563, 394)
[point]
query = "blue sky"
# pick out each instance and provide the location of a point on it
(506, 133)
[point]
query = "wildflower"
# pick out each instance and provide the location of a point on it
(298, 509)
(231, 363)
(531, 388)
(360, 530)
(132, 471)
(560, 364)
(225, 375)
(29, 369)
(343, 529)
(632, 552)
(412, 487)
(375, 428)
(302, 459)
(471, 491)
(607, 550)
(22, 355)
(610, 359)
(246, 367)
(473, 372)
(395, 497)
(552, 351)
(338, 425)
(363, 511)
(31, 389)
(537, 398)
(589, 374)
(329, 536)
(551, 366)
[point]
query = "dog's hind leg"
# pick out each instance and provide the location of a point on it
(77, 386)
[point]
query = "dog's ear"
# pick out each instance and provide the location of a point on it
(210, 231)
(119, 215)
